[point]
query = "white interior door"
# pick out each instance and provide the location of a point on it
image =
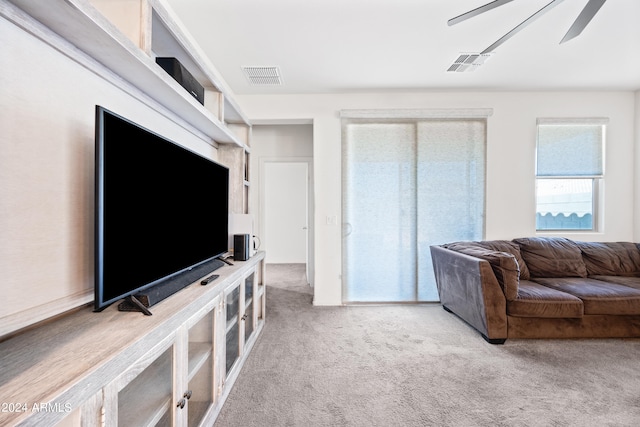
(285, 212)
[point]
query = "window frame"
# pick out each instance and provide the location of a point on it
(597, 180)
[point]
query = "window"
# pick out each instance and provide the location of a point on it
(569, 173)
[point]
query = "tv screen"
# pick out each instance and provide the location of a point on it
(161, 209)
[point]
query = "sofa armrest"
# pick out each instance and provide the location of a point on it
(468, 287)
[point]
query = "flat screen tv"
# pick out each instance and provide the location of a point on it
(160, 209)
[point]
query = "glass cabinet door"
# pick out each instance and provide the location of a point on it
(199, 395)
(232, 303)
(248, 306)
(259, 303)
(147, 400)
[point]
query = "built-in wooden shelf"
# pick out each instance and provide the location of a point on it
(84, 26)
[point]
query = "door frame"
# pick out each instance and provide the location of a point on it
(310, 263)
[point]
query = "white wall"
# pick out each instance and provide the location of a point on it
(510, 158)
(47, 115)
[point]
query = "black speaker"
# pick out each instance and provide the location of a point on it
(182, 76)
(241, 247)
(171, 285)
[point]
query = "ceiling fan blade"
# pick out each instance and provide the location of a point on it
(583, 19)
(520, 27)
(477, 11)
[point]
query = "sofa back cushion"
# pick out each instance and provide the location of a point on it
(504, 265)
(552, 257)
(611, 258)
(510, 248)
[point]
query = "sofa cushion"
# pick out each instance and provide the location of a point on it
(510, 248)
(504, 265)
(632, 282)
(597, 296)
(611, 258)
(536, 300)
(552, 257)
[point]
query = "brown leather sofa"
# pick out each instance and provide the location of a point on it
(541, 287)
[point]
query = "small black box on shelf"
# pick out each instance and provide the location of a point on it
(176, 70)
(241, 247)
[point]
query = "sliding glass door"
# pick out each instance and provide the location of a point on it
(408, 184)
(380, 204)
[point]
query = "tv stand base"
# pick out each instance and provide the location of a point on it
(131, 303)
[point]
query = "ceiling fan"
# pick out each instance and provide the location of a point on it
(591, 8)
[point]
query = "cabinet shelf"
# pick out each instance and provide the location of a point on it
(231, 323)
(199, 354)
(89, 31)
(147, 398)
(197, 411)
(169, 40)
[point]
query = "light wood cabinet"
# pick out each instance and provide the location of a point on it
(116, 368)
(243, 315)
(174, 368)
(174, 383)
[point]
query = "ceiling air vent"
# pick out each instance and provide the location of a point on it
(468, 62)
(263, 75)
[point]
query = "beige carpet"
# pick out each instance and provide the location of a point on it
(420, 366)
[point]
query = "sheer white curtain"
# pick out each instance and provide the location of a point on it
(408, 183)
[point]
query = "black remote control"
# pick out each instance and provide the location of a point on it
(209, 279)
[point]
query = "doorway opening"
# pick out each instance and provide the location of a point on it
(283, 204)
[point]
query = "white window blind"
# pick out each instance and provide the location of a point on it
(407, 184)
(572, 149)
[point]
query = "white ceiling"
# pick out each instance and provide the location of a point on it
(324, 46)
